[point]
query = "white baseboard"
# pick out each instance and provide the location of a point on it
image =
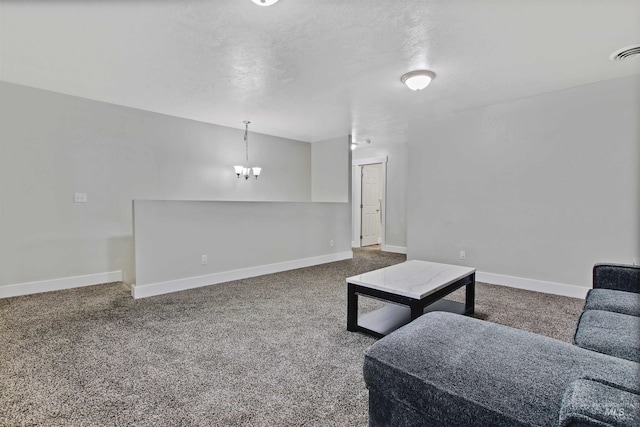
(355, 244)
(532, 285)
(152, 289)
(29, 288)
(396, 249)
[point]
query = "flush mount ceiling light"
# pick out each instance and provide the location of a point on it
(246, 171)
(264, 2)
(418, 79)
(626, 53)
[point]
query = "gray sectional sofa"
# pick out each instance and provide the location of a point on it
(445, 369)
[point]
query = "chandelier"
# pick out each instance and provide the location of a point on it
(246, 171)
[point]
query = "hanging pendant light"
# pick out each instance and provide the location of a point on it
(247, 171)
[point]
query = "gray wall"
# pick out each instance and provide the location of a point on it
(330, 170)
(541, 188)
(171, 236)
(53, 145)
(396, 203)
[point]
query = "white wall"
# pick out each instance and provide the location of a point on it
(240, 239)
(53, 145)
(396, 191)
(330, 170)
(540, 188)
(3, 155)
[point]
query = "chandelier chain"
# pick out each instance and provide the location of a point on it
(246, 140)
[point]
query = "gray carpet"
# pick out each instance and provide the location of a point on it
(272, 350)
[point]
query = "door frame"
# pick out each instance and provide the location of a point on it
(357, 197)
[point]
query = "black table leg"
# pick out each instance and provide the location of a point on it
(470, 304)
(417, 308)
(352, 308)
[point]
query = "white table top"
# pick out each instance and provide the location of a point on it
(414, 279)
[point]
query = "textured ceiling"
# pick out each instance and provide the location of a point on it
(312, 70)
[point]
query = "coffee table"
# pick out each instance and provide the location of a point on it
(411, 289)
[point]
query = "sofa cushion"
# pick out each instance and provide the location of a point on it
(609, 333)
(596, 403)
(616, 301)
(462, 371)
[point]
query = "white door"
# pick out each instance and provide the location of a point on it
(371, 219)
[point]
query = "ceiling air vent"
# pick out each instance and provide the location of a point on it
(625, 53)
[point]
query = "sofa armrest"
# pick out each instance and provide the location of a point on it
(598, 403)
(617, 277)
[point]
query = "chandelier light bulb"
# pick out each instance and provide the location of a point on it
(418, 80)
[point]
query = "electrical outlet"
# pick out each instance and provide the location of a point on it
(331, 243)
(205, 260)
(636, 261)
(80, 197)
(463, 255)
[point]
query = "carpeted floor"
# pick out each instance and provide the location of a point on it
(271, 350)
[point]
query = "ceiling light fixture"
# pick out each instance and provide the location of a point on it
(418, 80)
(246, 171)
(264, 2)
(626, 53)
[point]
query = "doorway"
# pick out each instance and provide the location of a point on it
(371, 205)
(369, 193)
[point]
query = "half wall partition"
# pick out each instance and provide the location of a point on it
(187, 244)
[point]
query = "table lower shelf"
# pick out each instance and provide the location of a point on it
(390, 317)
